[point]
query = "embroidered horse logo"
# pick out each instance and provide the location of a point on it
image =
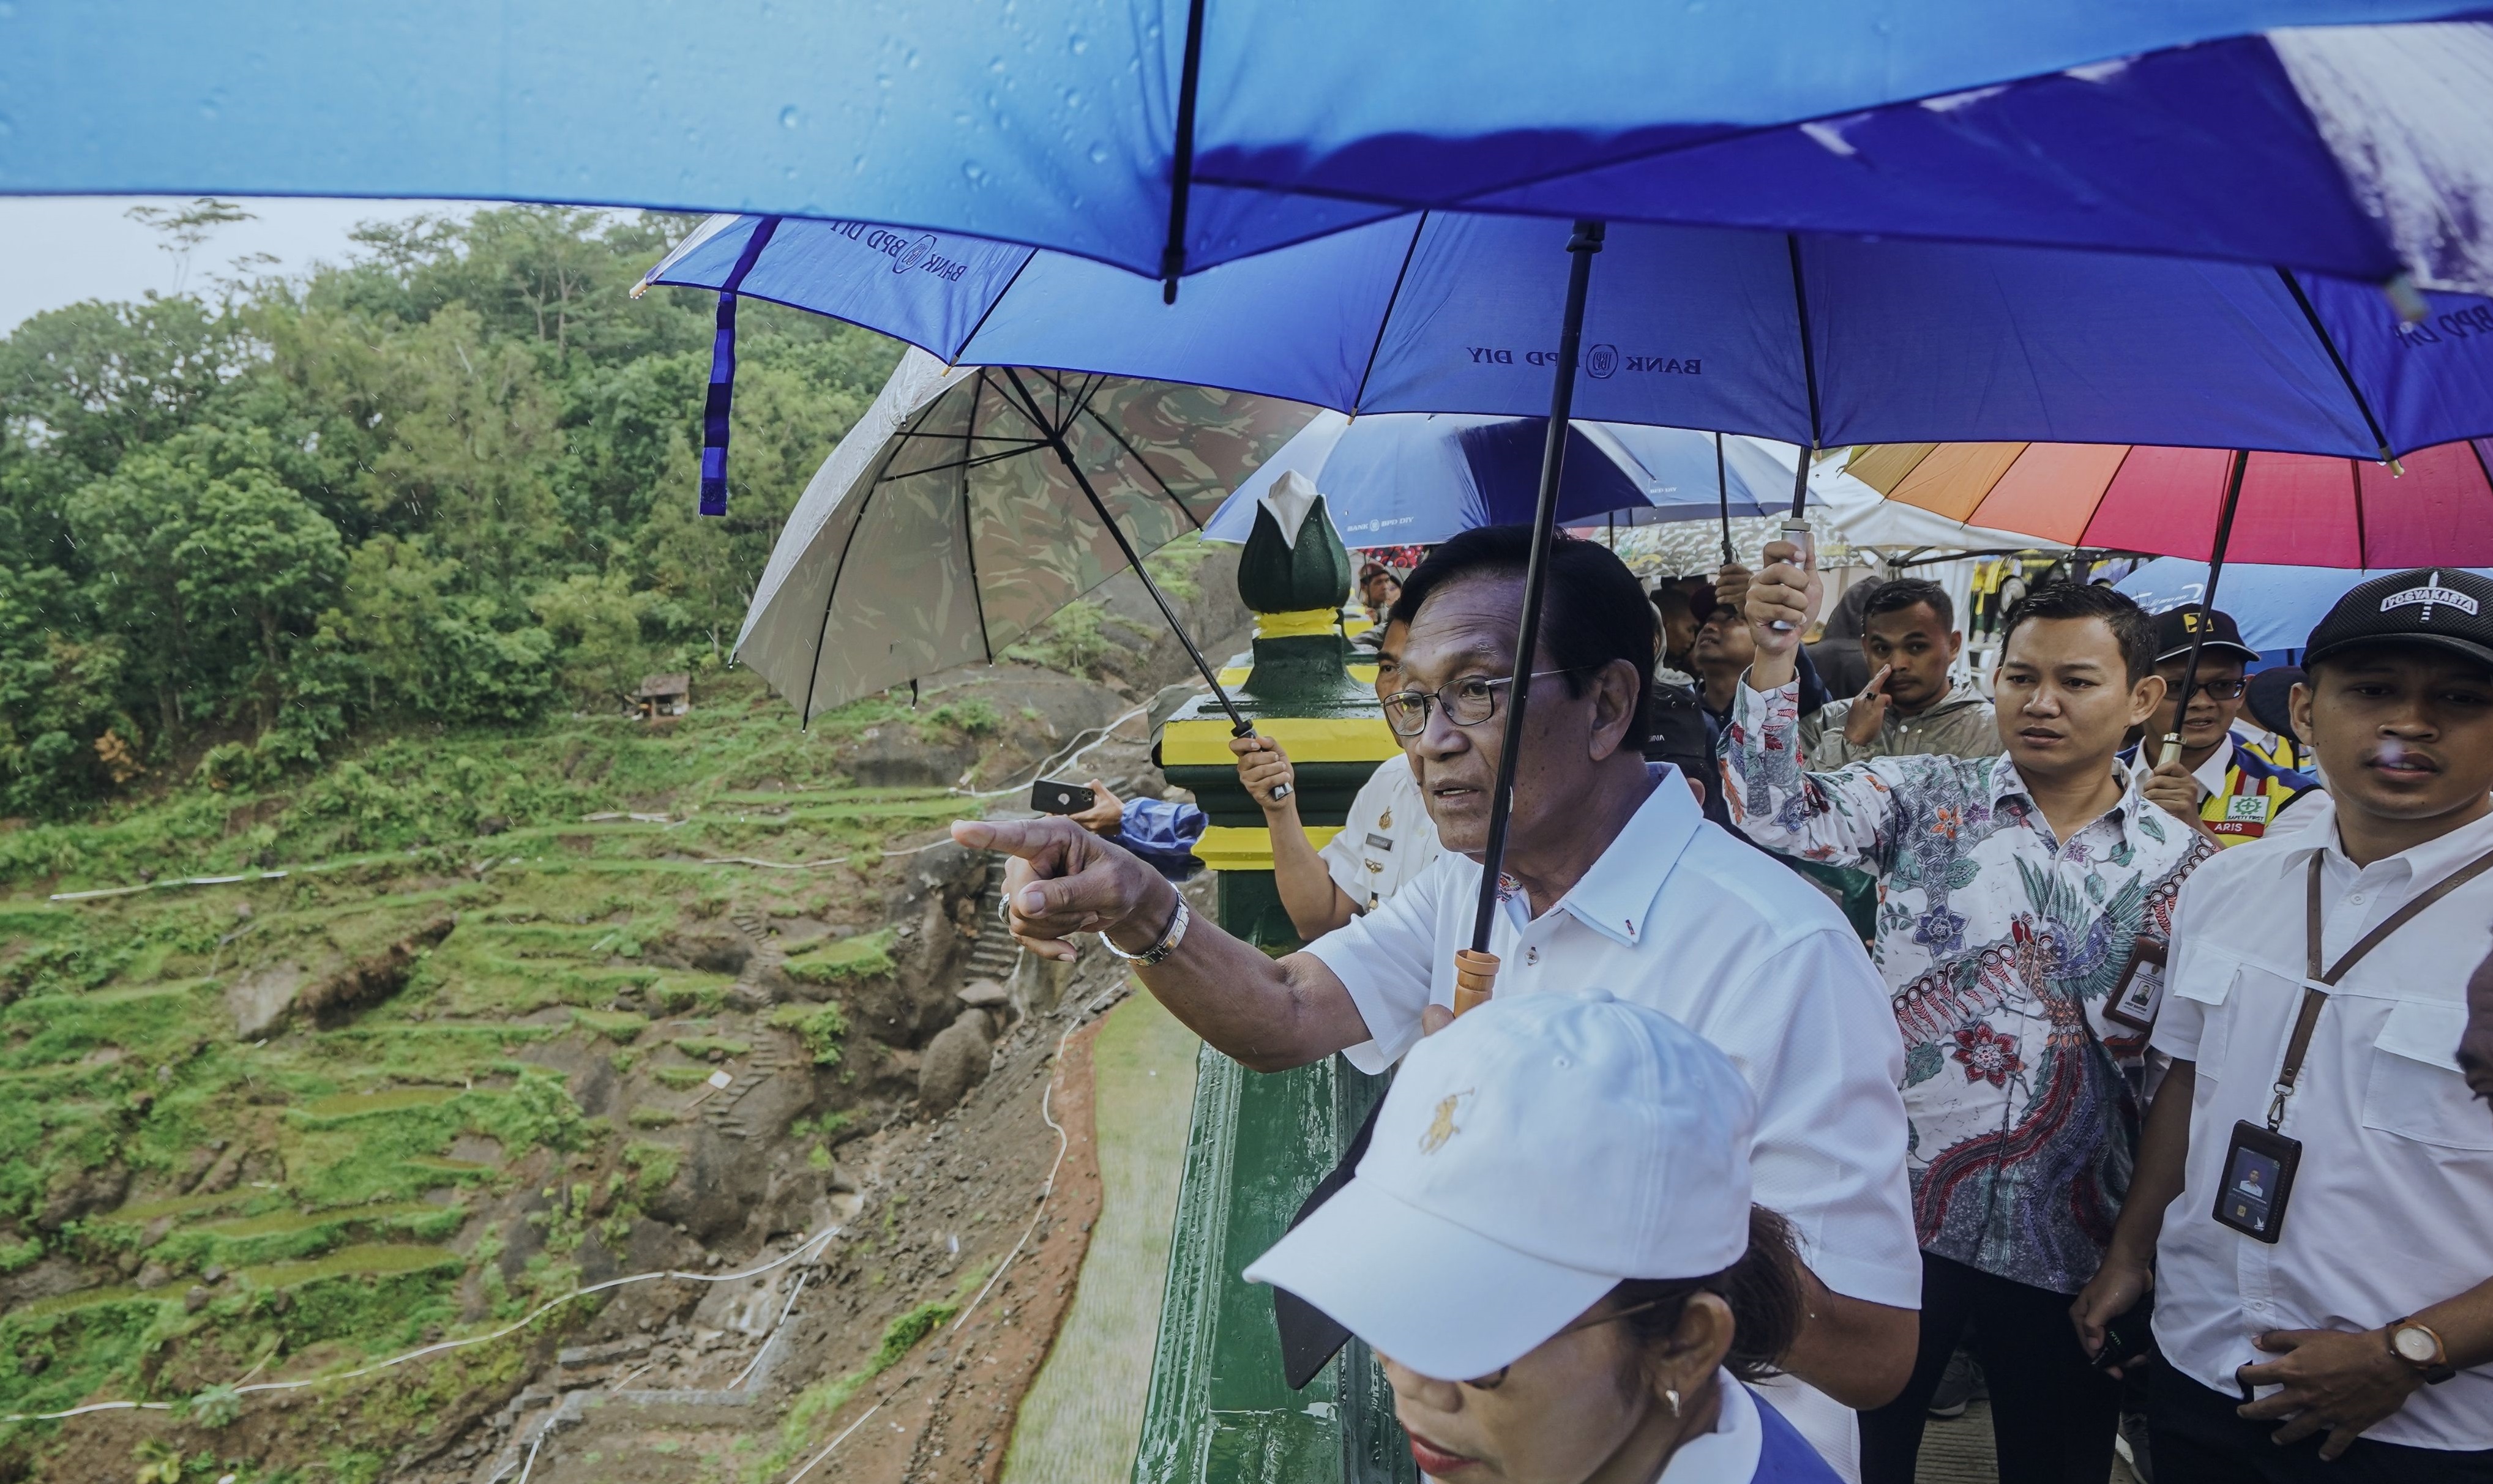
(1443, 1127)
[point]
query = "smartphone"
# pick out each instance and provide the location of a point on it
(1054, 798)
(2129, 1336)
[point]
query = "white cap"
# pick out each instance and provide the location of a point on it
(1529, 1158)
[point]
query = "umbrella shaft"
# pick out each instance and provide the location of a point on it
(2206, 606)
(1580, 247)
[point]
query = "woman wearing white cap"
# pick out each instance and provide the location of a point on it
(1555, 1206)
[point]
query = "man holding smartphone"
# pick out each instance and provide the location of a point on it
(2313, 1199)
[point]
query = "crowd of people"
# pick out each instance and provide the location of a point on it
(1845, 1048)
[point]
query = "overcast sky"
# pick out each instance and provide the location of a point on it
(59, 250)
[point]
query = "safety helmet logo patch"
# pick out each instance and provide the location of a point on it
(1443, 1127)
(2431, 593)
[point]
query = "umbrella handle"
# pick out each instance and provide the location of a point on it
(1475, 978)
(1797, 532)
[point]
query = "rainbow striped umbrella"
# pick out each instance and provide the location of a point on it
(2299, 510)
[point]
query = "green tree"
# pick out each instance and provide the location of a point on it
(210, 567)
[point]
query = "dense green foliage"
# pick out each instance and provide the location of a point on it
(451, 481)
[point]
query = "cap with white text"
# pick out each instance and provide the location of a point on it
(2175, 628)
(1529, 1159)
(2443, 608)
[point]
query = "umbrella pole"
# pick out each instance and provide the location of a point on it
(1723, 498)
(1054, 438)
(2207, 606)
(1476, 967)
(1237, 725)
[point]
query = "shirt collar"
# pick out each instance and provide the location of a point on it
(1616, 897)
(2006, 784)
(1730, 1454)
(2429, 861)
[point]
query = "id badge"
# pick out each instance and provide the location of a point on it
(2139, 993)
(2257, 1180)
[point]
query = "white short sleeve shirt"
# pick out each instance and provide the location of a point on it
(1679, 916)
(1387, 840)
(2392, 1204)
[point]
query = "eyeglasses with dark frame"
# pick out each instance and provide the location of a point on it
(1468, 702)
(2222, 690)
(1497, 1378)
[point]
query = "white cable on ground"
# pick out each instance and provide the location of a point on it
(1061, 756)
(772, 1333)
(835, 1442)
(531, 1466)
(1046, 1192)
(803, 1249)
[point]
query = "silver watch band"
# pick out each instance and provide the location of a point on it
(1169, 939)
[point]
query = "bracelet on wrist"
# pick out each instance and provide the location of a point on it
(1162, 947)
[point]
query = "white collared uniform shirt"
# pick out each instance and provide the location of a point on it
(2392, 1204)
(1387, 839)
(1678, 916)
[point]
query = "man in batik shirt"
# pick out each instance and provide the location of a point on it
(2013, 892)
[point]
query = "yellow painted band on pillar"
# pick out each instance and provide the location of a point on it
(1298, 623)
(1306, 739)
(1236, 847)
(1234, 676)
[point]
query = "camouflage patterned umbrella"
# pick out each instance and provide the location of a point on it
(969, 504)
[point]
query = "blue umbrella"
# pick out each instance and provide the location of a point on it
(1164, 135)
(2276, 606)
(1816, 340)
(1418, 479)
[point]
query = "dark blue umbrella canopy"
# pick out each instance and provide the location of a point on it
(1170, 135)
(1818, 341)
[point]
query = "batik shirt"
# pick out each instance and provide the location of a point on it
(1999, 945)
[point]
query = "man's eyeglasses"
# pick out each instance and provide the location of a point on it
(1494, 1378)
(2222, 690)
(1467, 703)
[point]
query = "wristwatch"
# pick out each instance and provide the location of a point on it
(1169, 939)
(2420, 1346)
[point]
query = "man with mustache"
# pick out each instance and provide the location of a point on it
(2013, 890)
(1613, 880)
(2318, 986)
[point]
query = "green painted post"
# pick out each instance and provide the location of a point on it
(1219, 1412)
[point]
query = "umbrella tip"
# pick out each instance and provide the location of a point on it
(640, 288)
(1168, 290)
(2405, 300)
(2396, 468)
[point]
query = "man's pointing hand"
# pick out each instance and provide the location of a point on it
(1063, 880)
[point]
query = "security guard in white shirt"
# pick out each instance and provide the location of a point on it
(2314, 1187)
(1618, 883)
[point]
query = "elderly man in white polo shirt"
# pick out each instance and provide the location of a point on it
(1616, 881)
(2313, 1198)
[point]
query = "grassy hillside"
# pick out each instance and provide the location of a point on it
(407, 1155)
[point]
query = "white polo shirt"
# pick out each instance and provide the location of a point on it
(1678, 916)
(2392, 1204)
(1387, 839)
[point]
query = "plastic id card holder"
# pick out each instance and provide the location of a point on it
(2139, 993)
(2258, 1182)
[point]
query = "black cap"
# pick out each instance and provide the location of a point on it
(2444, 607)
(2269, 698)
(2175, 628)
(1675, 731)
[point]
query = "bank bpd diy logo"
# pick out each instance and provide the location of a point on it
(909, 252)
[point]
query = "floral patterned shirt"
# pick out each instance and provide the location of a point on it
(2000, 945)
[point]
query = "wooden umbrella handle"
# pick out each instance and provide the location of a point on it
(1475, 976)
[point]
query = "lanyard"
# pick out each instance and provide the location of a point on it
(2316, 986)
